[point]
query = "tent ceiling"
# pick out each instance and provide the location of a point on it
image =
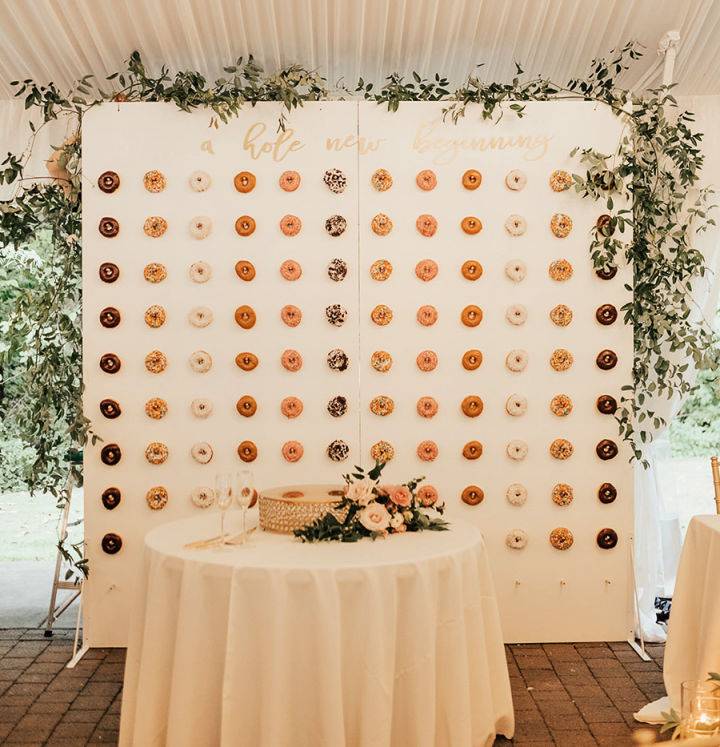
(61, 40)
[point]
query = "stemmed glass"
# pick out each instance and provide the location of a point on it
(244, 494)
(223, 495)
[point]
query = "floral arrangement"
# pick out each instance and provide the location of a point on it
(371, 509)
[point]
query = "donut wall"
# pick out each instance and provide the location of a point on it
(361, 284)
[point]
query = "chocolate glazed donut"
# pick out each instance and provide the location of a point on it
(108, 227)
(111, 543)
(606, 273)
(607, 493)
(108, 181)
(109, 272)
(109, 317)
(110, 408)
(110, 454)
(607, 538)
(606, 404)
(606, 449)
(606, 359)
(111, 498)
(110, 363)
(606, 314)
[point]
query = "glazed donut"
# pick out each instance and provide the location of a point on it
(516, 314)
(428, 495)
(381, 180)
(381, 361)
(156, 408)
(335, 225)
(110, 363)
(289, 181)
(471, 315)
(154, 181)
(382, 406)
(516, 270)
(561, 359)
(561, 405)
(382, 451)
(156, 452)
(246, 406)
(200, 272)
(199, 181)
(202, 497)
(201, 316)
(201, 407)
(426, 270)
(247, 451)
(381, 270)
(516, 539)
(471, 225)
(201, 452)
(111, 498)
(516, 494)
(109, 227)
(472, 450)
(516, 225)
(291, 407)
(516, 360)
(472, 495)
(109, 272)
(606, 538)
(337, 450)
(337, 406)
(110, 408)
(110, 454)
(606, 449)
(245, 270)
(201, 361)
(426, 225)
(561, 538)
(427, 451)
(291, 360)
(155, 316)
(245, 317)
(157, 497)
(337, 270)
(607, 493)
(471, 179)
(515, 180)
(291, 270)
(109, 317)
(381, 224)
(606, 314)
(561, 449)
(471, 270)
(337, 360)
(335, 180)
(471, 406)
(427, 407)
(291, 315)
(606, 404)
(561, 225)
(155, 226)
(516, 405)
(382, 315)
(336, 314)
(560, 270)
(426, 315)
(111, 543)
(606, 359)
(244, 181)
(292, 451)
(472, 360)
(155, 272)
(516, 449)
(606, 273)
(560, 181)
(562, 494)
(426, 180)
(108, 181)
(426, 360)
(245, 225)
(246, 361)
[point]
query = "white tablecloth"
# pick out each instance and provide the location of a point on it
(283, 644)
(693, 643)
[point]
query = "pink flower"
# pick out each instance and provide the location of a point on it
(427, 495)
(375, 517)
(398, 494)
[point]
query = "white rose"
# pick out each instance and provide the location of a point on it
(360, 492)
(396, 520)
(374, 517)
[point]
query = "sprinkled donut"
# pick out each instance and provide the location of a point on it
(154, 181)
(606, 314)
(382, 406)
(246, 406)
(337, 360)
(516, 539)
(561, 315)
(606, 404)
(109, 227)
(561, 225)
(110, 409)
(606, 359)
(154, 272)
(471, 225)
(561, 405)
(108, 182)
(289, 181)
(245, 317)
(560, 181)
(426, 315)
(515, 180)
(472, 495)
(110, 454)
(516, 314)
(337, 450)
(516, 449)
(471, 406)
(291, 407)
(156, 452)
(335, 225)
(516, 405)
(382, 451)
(155, 226)
(156, 408)
(290, 225)
(607, 493)
(381, 270)
(426, 360)
(244, 182)
(471, 315)
(202, 497)
(516, 360)
(516, 494)
(561, 359)
(427, 451)
(157, 498)
(562, 494)
(245, 225)
(246, 361)
(381, 180)
(472, 450)
(382, 315)
(201, 361)
(561, 449)
(291, 315)
(472, 360)
(245, 270)
(381, 224)
(606, 538)
(336, 314)
(471, 179)
(155, 316)
(471, 270)
(292, 451)
(516, 225)
(291, 270)
(110, 317)
(516, 270)
(247, 451)
(109, 272)
(337, 270)
(337, 406)
(427, 407)
(426, 225)
(335, 180)
(426, 270)
(201, 407)
(291, 360)
(200, 181)
(561, 538)
(155, 361)
(560, 270)
(381, 361)
(606, 449)
(200, 272)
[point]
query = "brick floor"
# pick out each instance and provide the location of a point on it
(565, 694)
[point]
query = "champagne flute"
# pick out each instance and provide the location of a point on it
(244, 494)
(223, 495)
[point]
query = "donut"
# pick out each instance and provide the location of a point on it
(154, 181)
(156, 408)
(109, 272)
(200, 361)
(471, 406)
(201, 407)
(561, 538)
(245, 317)
(291, 407)
(199, 181)
(382, 406)
(156, 361)
(156, 452)
(607, 493)
(110, 454)
(337, 450)
(381, 180)
(561, 405)
(245, 225)
(427, 451)
(606, 538)
(336, 314)
(381, 269)
(561, 225)
(247, 451)
(246, 406)
(516, 314)
(157, 497)
(382, 315)
(560, 181)
(337, 406)
(606, 404)
(292, 451)
(426, 180)
(289, 181)
(245, 270)
(606, 449)
(516, 405)
(201, 452)
(426, 360)
(516, 449)
(471, 315)
(200, 272)
(562, 494)
(472, 360)
(155, 226)
(606, 314)
(472, 495)
(381, 361)
(516, 225)
(382, 451)
(516, 360)
(426, 270)
(560, 270)
(426, 225)
(244, 182)
(471, 225)
(426, 316)
(111, 498)
(561, 449)
(155, 316)
(109, 317)
(108, 182)
(381, 224)
(472, 450)
(290, 225)
(337, 360)
(109, 227)
(471, 179)
(201, 316)
(155, 272)
(561, 359)
(291, 315)
(291, 270)
(561, 315)
(335, 180)
(427, 407)
(246, 361)
(337, 270)
(291, 360)
(606, 359)
(516, 539)
(202, 497)
(516, 494)
(111, 543)
(604, 225)
(516, 270)
(606, 273)
(428, 495)
(515, 180)
(110, 408)
(335, 225)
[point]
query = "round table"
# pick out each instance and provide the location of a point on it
(284, 644)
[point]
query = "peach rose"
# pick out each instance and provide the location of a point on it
(427, 495)
(398, 494)
(374, 517)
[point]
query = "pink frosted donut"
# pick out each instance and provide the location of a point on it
(427, 407)
(426, 269)
(290, 225)
(289, 181)
(426, 180)
(427, 495)
(291, 360)
(426, 225)
(292, 451)
(427, 360)
(427, 315)
(427, 451)
(291, 315)
(290, 269)
(291, 407)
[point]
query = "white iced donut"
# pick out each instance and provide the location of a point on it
(200, 316)
(202, 497)
(516, 405)
(516, 270)
(516, 539)
(200, 227)
(202, 452)
(201, 407)
(201, 361)
(516, 314)
(515, 180)
(516, 494)
(200, 272)
(516, 360)
(517, 449)
(200, 181)
(516, 225)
